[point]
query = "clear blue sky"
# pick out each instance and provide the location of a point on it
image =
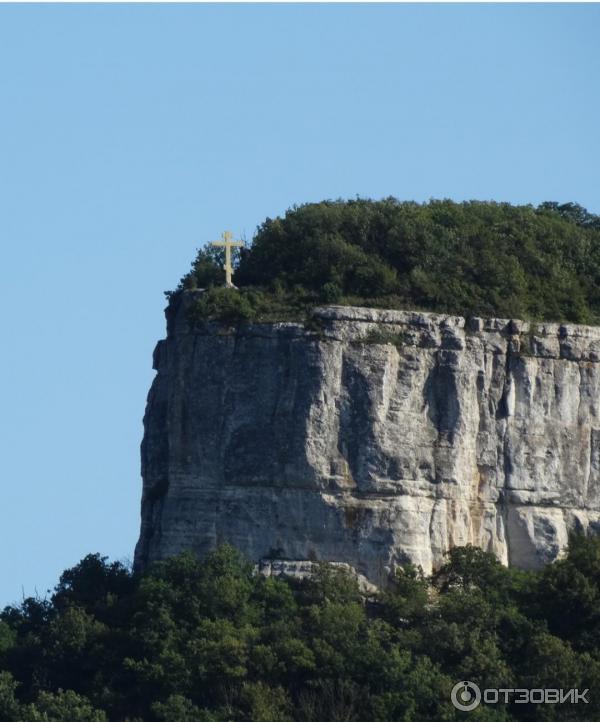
(130, 135)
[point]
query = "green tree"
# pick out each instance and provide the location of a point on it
(211, 641)
(62, 707)
(568, 594)
(9, 707)
(469, 258)
(180, 709)
(263, 703)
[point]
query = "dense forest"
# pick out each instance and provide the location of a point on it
(473, 258)
(210, 641)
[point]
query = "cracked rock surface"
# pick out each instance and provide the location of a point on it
(378, 438)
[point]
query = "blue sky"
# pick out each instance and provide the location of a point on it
(132, 134)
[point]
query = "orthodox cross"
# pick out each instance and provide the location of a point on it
(228, 242)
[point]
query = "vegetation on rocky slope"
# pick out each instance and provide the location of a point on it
(210, 641)
(475, 258)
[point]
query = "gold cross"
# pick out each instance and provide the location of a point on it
(226, 240)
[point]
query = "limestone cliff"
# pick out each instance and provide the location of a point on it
(371, 438)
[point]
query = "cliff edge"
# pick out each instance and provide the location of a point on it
(371, 437)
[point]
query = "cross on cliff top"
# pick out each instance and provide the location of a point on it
(228, 242)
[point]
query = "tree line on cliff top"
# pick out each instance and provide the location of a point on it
(210, 641)
(472, 258)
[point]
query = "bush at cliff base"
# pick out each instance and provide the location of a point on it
(208, 640)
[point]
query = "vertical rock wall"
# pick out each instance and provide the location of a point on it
(380, 437)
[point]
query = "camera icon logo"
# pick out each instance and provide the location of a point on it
(466, 696)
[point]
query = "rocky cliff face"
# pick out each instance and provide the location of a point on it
(373, 438)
